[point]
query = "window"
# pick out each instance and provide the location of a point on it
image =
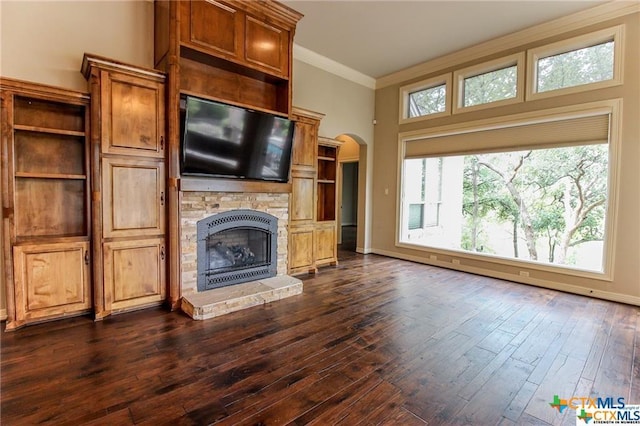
(426, 99)
(490, 84)
(536, 192)
(490, 87)
(424, 192)
(582, 63)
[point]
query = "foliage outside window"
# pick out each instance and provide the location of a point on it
(582, 66)
(426, 99)
(586, 62)
(490, 86)
(543, 205)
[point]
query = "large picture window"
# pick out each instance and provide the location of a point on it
(544, 202)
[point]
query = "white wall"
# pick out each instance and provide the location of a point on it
(44, 41)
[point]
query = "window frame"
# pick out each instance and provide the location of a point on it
(405, 91)
(611, 107)
(459, 76)
(569, 45)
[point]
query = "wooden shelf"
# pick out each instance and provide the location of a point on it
(49, 176)
(326, 158)
(231, 185)
(330, 181)
(37, 129)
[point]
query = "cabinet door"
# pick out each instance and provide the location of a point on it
(51, 279)
(305, 145)
(132, 115)
(134, 273)
(133, 197)
(326, 249)
(300, 250)
(267, 46)
(213, 26)
(302, 198)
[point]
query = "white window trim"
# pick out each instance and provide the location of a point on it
(460, 75)
(612, 107)
(405, 91)
(587, 40)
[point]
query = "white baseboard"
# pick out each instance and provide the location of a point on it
(363, 250)
(553, 285)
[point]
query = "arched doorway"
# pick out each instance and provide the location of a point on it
(353, 195)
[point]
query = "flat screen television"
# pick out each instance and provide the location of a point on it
(223, 140)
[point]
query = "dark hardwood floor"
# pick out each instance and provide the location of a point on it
(372, 341)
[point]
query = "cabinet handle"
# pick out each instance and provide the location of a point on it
(162, 253)
(161, 142)
(86, 257)
(162, 198)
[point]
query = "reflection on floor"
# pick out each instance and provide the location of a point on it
(347, 249)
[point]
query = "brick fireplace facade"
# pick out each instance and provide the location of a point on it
(196, 206)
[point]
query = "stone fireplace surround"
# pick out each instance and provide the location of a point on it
(197, 205)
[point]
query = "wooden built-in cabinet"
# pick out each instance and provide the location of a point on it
(302, 204)
(45, 202)
(234, 51)
(326, 202)
(129, 211)
(312, 205)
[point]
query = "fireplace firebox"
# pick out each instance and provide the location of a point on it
(235, 247)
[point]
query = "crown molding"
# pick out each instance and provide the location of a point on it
(310, 57)
(552, 28)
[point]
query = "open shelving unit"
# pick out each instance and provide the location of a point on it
(46, 194)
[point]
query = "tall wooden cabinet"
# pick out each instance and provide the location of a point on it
(312, 205)
(326, 231)
(302, 203)
(45, 201)
(128, 139)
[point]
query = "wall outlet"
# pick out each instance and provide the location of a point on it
(433, 257)
(455, 261)
(524, 274)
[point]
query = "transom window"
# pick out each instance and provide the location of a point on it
(587, 62)
(582, 66)
(426, 99)
(489, 84)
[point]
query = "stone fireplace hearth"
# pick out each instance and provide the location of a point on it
(197, 206)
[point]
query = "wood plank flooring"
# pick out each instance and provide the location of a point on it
(372, 341)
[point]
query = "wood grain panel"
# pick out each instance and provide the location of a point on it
(300, 250)
(51, 279)
(264, 45)
(134, 272)
(47, 114)
(50, 207)
(133, 197)
(207, 15)
(132, 115)
(46, 153)
(305, 144)
(326, 243)
(218, 83)
(302, 200)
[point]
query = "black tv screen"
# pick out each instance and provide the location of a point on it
(228, 141)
